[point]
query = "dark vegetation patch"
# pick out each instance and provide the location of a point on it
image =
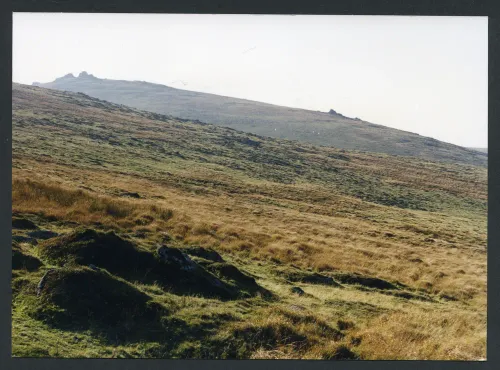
(345, 325)
(245, 339)
(422, 296)
(365, 281)
(341, 352)
(22, 260)
(294, 275)
(448, 297)
(42, 234)
(23, 224)
(206, 253)
(24, 239)
(130, 194)
(320, 325)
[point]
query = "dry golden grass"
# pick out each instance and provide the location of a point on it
(453, 263)
(425, 335)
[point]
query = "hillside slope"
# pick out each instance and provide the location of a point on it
(328, 129)
(180, 239)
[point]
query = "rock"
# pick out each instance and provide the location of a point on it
(389, 235)
(84, 74)
(297, 290)
(173, 255)
(332, 111)
(43, 234)
(41, 284)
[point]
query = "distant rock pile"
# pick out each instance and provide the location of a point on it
(84, 74)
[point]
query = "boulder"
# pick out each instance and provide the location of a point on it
(175, 256)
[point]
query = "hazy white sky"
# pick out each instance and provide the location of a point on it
(422, 74)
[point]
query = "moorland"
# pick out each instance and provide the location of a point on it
(142, 235)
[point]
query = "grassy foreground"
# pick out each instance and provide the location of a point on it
(290, 250)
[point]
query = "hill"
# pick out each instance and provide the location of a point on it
(318, 128)
(180, 239)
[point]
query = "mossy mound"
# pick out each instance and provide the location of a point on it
(84, 299)
(23, 224)
(169, 267)
(22, 260)
(238, 279)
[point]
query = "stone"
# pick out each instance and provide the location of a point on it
(174, 255)
(41, 284)
(297, 290)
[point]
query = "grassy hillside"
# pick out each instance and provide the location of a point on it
(312, 127)
(161, 237)
(482, 150)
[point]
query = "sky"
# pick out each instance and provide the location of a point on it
(426, 75)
